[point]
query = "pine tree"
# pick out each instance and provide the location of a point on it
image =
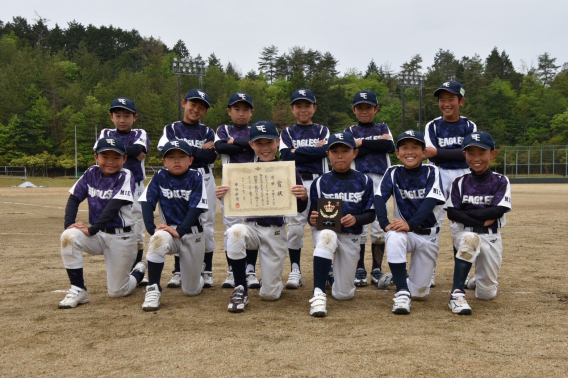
(371, 68)
(546, 68)
(267, 62)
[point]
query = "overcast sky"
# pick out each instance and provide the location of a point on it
(354, 31)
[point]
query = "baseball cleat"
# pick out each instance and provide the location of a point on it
(360, 277)
(239, 300)
(401, 303)
(229, 281)
(175, 281)
(294, 279)
(385, 281)
(458, 304)
(208, 279)
(376, 275)
(75, 296)
(144, 282)
(470, 283)
(318, 307)
(252, 281)
(152, 298)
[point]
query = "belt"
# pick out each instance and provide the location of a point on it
(308, 176)
(204, 170)
(426, 231)
(481, 230)
(264, 224)
(117, 230)
(192, 230)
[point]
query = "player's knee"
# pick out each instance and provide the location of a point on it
(236, 246)
(273, 296)
(159, 240)
(340, 296)
(68, 238)
(485, 293)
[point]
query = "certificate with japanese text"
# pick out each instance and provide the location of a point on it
(260, 189)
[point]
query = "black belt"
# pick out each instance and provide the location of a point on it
(482, 230)
(307, 176)
(199, 228)
(425, 231)
(205, 169)
(264, 224)
(113, 230)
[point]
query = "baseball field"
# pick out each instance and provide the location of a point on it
(521, 333)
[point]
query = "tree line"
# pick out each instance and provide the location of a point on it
(56, 80)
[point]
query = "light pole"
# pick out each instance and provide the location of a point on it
(75, 151)
(186, 67)
(415, 80)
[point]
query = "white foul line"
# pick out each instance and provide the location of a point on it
(29, 204)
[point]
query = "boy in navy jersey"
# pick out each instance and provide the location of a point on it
(232, 143)
(108, 188)
(179, 191)
(303, 143)
(355, 189)
(265, 234)
(201, 139)
(123, 115)
(444, 137)
(415, 188)
(374, 143)
(477, 205)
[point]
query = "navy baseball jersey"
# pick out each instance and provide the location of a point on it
(299, 136)
(410, 187)
(467, 193)
(131, 138)
(175, 194)
(373, 162)
(196, 135)
(99, 190)
(225, 133)
(448, 135)
(354, 188)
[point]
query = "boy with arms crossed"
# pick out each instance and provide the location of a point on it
(415, 188)
(201, 139)
(108, 189)
(179, 191)
(302, 143)
(355, 189)
(477, 205)
(265, 234)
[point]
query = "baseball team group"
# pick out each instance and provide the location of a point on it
(351, 165)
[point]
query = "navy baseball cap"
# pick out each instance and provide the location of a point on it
(303, 94)
(410, 134)
(181, 145)
(365, 97)
(452, 87)
(110, 144)
(263, 129)
(341, 137)
(123, 103)
(480, 139)
(240, 97)
(198, 94)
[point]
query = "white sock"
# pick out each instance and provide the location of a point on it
(295, 266)
(250, 268)
(317, 290)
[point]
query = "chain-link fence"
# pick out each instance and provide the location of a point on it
(533, 161)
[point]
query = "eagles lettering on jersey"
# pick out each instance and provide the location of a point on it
(99, 190)
(441, 134)
(409, 189)
(175, 194)
(354, 188)
(132, 138)
(467, 193)
(298, 136)
(195, 135)
(305, 143)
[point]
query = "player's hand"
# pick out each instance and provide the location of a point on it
(430, 152)
(141, 157)
(220, 191)
(77, 225)
(230, 141)
(208, 145)
(358, 142)
(322, 143)
(488, 222)
(300, 192)
(348, 220)
(314, 217)
(172, 231)
(398, 225)
(385, 136)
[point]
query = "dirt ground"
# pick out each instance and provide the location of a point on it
(523, 332)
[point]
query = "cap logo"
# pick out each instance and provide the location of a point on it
(363, 95)
(242, 95)
(446, 84)
(302, 92)
(122, 101)
(339, 136)
(261, 128)
(202, 94)
(110, 141)
(175, 143)
(477, 137)
(409, 132)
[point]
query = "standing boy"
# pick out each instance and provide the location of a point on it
(265, 234)
(201, 139)
(179, 191)
(444, 138)
(123, 115)
(477, 205)
(108, 189)
(303, 143)
(374, 143)
(416, 191)
(355, 189)
(232, 143)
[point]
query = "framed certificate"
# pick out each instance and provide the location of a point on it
(260, 189)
